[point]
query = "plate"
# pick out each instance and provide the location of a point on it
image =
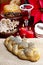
(12, 18)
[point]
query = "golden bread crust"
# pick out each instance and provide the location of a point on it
(28, 53)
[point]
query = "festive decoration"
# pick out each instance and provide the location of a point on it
(25, 32)
(41, 3)
(37, 12)
(30, 33)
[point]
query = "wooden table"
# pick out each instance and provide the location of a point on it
(7, 58)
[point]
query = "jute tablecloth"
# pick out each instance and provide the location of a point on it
(7, 58)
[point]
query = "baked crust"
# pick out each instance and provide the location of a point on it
(15, 2)
(26, 53)
(11, 8)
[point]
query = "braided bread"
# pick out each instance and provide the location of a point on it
(15, 2)
(23, 49)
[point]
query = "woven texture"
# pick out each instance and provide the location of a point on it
(6, 58)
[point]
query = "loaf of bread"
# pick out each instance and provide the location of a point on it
(23, 49)
(15, 2)
(11, 8)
